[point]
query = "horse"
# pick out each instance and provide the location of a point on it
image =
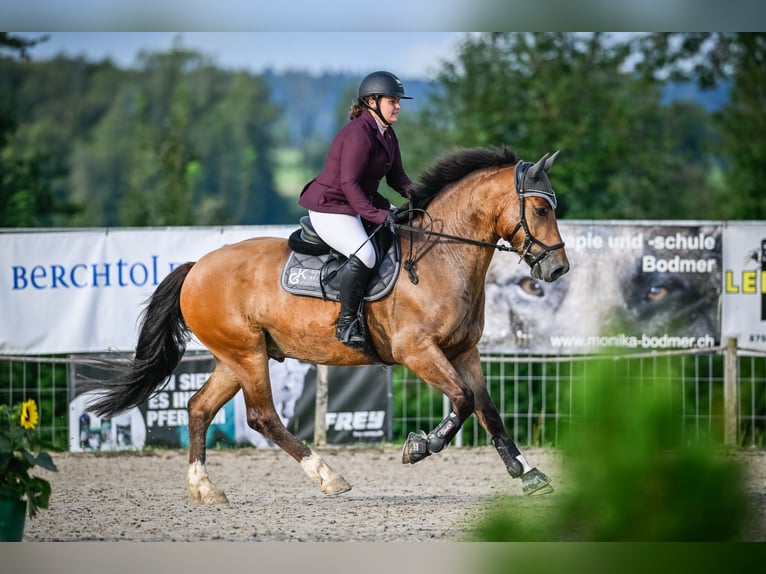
(460, 208)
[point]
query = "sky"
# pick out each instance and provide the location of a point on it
(415, 55)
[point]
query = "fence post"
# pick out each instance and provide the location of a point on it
(730, 393)
(320, 407)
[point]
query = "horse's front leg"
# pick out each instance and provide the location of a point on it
(204, 404)
(472, 388)
(533, 480)
(434, 368)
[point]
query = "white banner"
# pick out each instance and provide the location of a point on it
(637, 285)
(744, 292)
(82, 291)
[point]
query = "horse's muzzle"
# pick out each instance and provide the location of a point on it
(550, 268)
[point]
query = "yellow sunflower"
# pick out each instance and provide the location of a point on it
(29, 416)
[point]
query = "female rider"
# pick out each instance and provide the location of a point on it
(346, 191)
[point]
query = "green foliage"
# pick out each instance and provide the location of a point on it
(633, 474)
(17, 44)
(51, 389)
(712, 58)
(624, 155)
(177, 140)
(743, 124)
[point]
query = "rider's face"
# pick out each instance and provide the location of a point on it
(389, 108)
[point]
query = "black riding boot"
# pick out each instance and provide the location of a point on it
(350, 329)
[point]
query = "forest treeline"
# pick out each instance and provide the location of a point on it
(177, 140)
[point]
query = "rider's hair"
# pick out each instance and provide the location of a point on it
(356, 109)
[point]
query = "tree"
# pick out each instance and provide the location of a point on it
(18, 45)
(710, 59)
(30, 165)
(181, 142)
(540, 92)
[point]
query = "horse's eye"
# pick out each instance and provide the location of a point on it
(531, 287)
(657, 293)
(541, 211)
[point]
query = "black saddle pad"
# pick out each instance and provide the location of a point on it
(319, 275)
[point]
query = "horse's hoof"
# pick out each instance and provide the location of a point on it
(207, 493)
(535, 482)
(214, 496)
(210, 496)
(335, 487)
(415, 448)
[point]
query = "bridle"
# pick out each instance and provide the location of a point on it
(521, 193)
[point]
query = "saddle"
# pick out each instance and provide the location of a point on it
(312, 269)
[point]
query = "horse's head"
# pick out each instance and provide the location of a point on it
(533, 231)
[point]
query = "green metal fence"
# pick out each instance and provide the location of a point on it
(533, 394)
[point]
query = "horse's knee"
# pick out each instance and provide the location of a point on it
(464, 403)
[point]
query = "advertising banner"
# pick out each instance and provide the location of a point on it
(744, 298)
(358, 409)
(359, 405)
(639, 286)
(82, 291)
(632, 286)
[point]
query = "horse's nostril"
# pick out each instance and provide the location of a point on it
(559, 271)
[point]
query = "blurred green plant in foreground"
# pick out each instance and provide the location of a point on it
(631, 473)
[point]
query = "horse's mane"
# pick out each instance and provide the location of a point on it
(453, 167)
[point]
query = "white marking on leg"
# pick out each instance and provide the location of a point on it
(200, 487)
(313, 466)
(193, 478)
(320, 472)
(524, 464)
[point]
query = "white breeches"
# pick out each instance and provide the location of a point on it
(345, 234)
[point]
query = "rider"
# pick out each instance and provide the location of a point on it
(346, 191)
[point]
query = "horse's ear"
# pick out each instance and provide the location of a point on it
(534, 171)
(549, 161)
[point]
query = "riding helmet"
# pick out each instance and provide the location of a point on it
(381, 84)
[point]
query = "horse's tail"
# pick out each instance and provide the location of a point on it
(161, 344)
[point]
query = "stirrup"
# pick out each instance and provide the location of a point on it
(351, 332)
(353, 344)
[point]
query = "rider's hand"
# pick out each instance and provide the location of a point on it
(400, 216)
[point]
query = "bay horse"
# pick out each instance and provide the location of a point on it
(232, 301)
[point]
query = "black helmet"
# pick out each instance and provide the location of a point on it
(381, 84)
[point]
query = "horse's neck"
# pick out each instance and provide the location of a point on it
(465, 215)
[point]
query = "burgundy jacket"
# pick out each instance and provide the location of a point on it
(358, 159)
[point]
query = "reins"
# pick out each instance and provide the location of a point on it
(410, 263)
(457, 238)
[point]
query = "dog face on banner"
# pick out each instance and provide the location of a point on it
(635, 288)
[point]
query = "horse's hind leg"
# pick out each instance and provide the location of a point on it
(263, 418)
(204, 404)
